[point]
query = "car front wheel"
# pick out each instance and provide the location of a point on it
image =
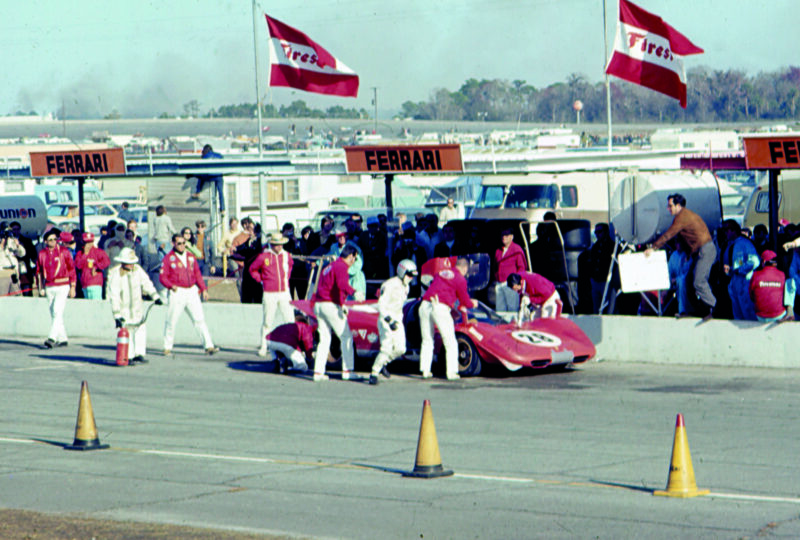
(469, 361)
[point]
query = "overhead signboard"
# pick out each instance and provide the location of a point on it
(772, 152)
(424, 158)
(103, 162)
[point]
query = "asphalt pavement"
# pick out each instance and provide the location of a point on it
(223, 442)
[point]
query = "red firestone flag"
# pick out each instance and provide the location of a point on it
(649, 52)
(297, 61)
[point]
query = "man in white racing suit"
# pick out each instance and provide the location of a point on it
(127, 282)
(393, 295)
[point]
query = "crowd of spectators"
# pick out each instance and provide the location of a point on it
(739, 257)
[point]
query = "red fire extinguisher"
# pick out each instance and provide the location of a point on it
(123, 341)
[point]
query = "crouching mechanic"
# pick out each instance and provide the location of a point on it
(537, 292)
(127, 283)
(446, 288)
(180, 273)
(295, 341)
(393, 295)
(334, 288)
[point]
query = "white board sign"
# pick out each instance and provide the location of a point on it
(638, 273)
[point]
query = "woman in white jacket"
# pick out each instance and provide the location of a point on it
(127, 282)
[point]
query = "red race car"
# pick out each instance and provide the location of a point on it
(485, 338)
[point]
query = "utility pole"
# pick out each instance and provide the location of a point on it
(375, 102)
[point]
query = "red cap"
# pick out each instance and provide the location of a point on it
(767, 255)
(88, 237)
(66, 238)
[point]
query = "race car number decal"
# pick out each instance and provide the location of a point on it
(538, 339)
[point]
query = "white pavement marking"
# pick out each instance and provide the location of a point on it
(51, 366)
(204, 456)
(22, 441)
(518, 480)
(495, 478)
(758, 498)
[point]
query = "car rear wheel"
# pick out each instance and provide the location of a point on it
(469, 361)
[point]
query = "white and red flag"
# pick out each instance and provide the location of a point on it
(297, 61)
(649, 52)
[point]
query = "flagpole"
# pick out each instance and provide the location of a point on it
(608, 83)
(262, 182)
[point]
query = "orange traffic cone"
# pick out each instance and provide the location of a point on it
(429, 462)
(85, 429)
(681, 473)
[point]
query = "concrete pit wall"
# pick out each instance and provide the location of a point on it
(618, 338)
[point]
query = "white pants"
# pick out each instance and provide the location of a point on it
(275, 303)
(431, 313)
(547, 310)
(57, 297)
(290, 353)
(330, 317)
(393, 344)
(188, 299)
(138, 341)
(506, 298)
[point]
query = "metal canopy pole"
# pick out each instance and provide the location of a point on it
(773, 209)
(387, 180)
(81, 210)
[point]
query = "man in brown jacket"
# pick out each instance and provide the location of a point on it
(694, 232)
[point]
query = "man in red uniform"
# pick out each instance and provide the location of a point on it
(295, 341)
(272, 269)
(57, 280)
(536, 291)
(180, 273)
(446, 288)
(91, 261)
(771, 292)
(509, 259)
(334, 288)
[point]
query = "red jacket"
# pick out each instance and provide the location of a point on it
(297, 335)
(536, 287)
(448, 286)
(767, 289)
(56, 267)
(173, 272)
(334, 285)
(272, 270)
(100, 262)
(510, 262)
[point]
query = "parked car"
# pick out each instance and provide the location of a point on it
(96, 214)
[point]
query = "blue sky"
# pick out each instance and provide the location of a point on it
(136, 55)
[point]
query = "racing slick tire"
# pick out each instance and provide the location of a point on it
(469, 361)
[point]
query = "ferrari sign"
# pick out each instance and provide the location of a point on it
(772, 152)
(105, 162)
(442, 158)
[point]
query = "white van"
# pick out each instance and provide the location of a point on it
(573, 195)
(757, 208)
(65, 193)
(636, 202)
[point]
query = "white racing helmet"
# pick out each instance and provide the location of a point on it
(406, 266)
